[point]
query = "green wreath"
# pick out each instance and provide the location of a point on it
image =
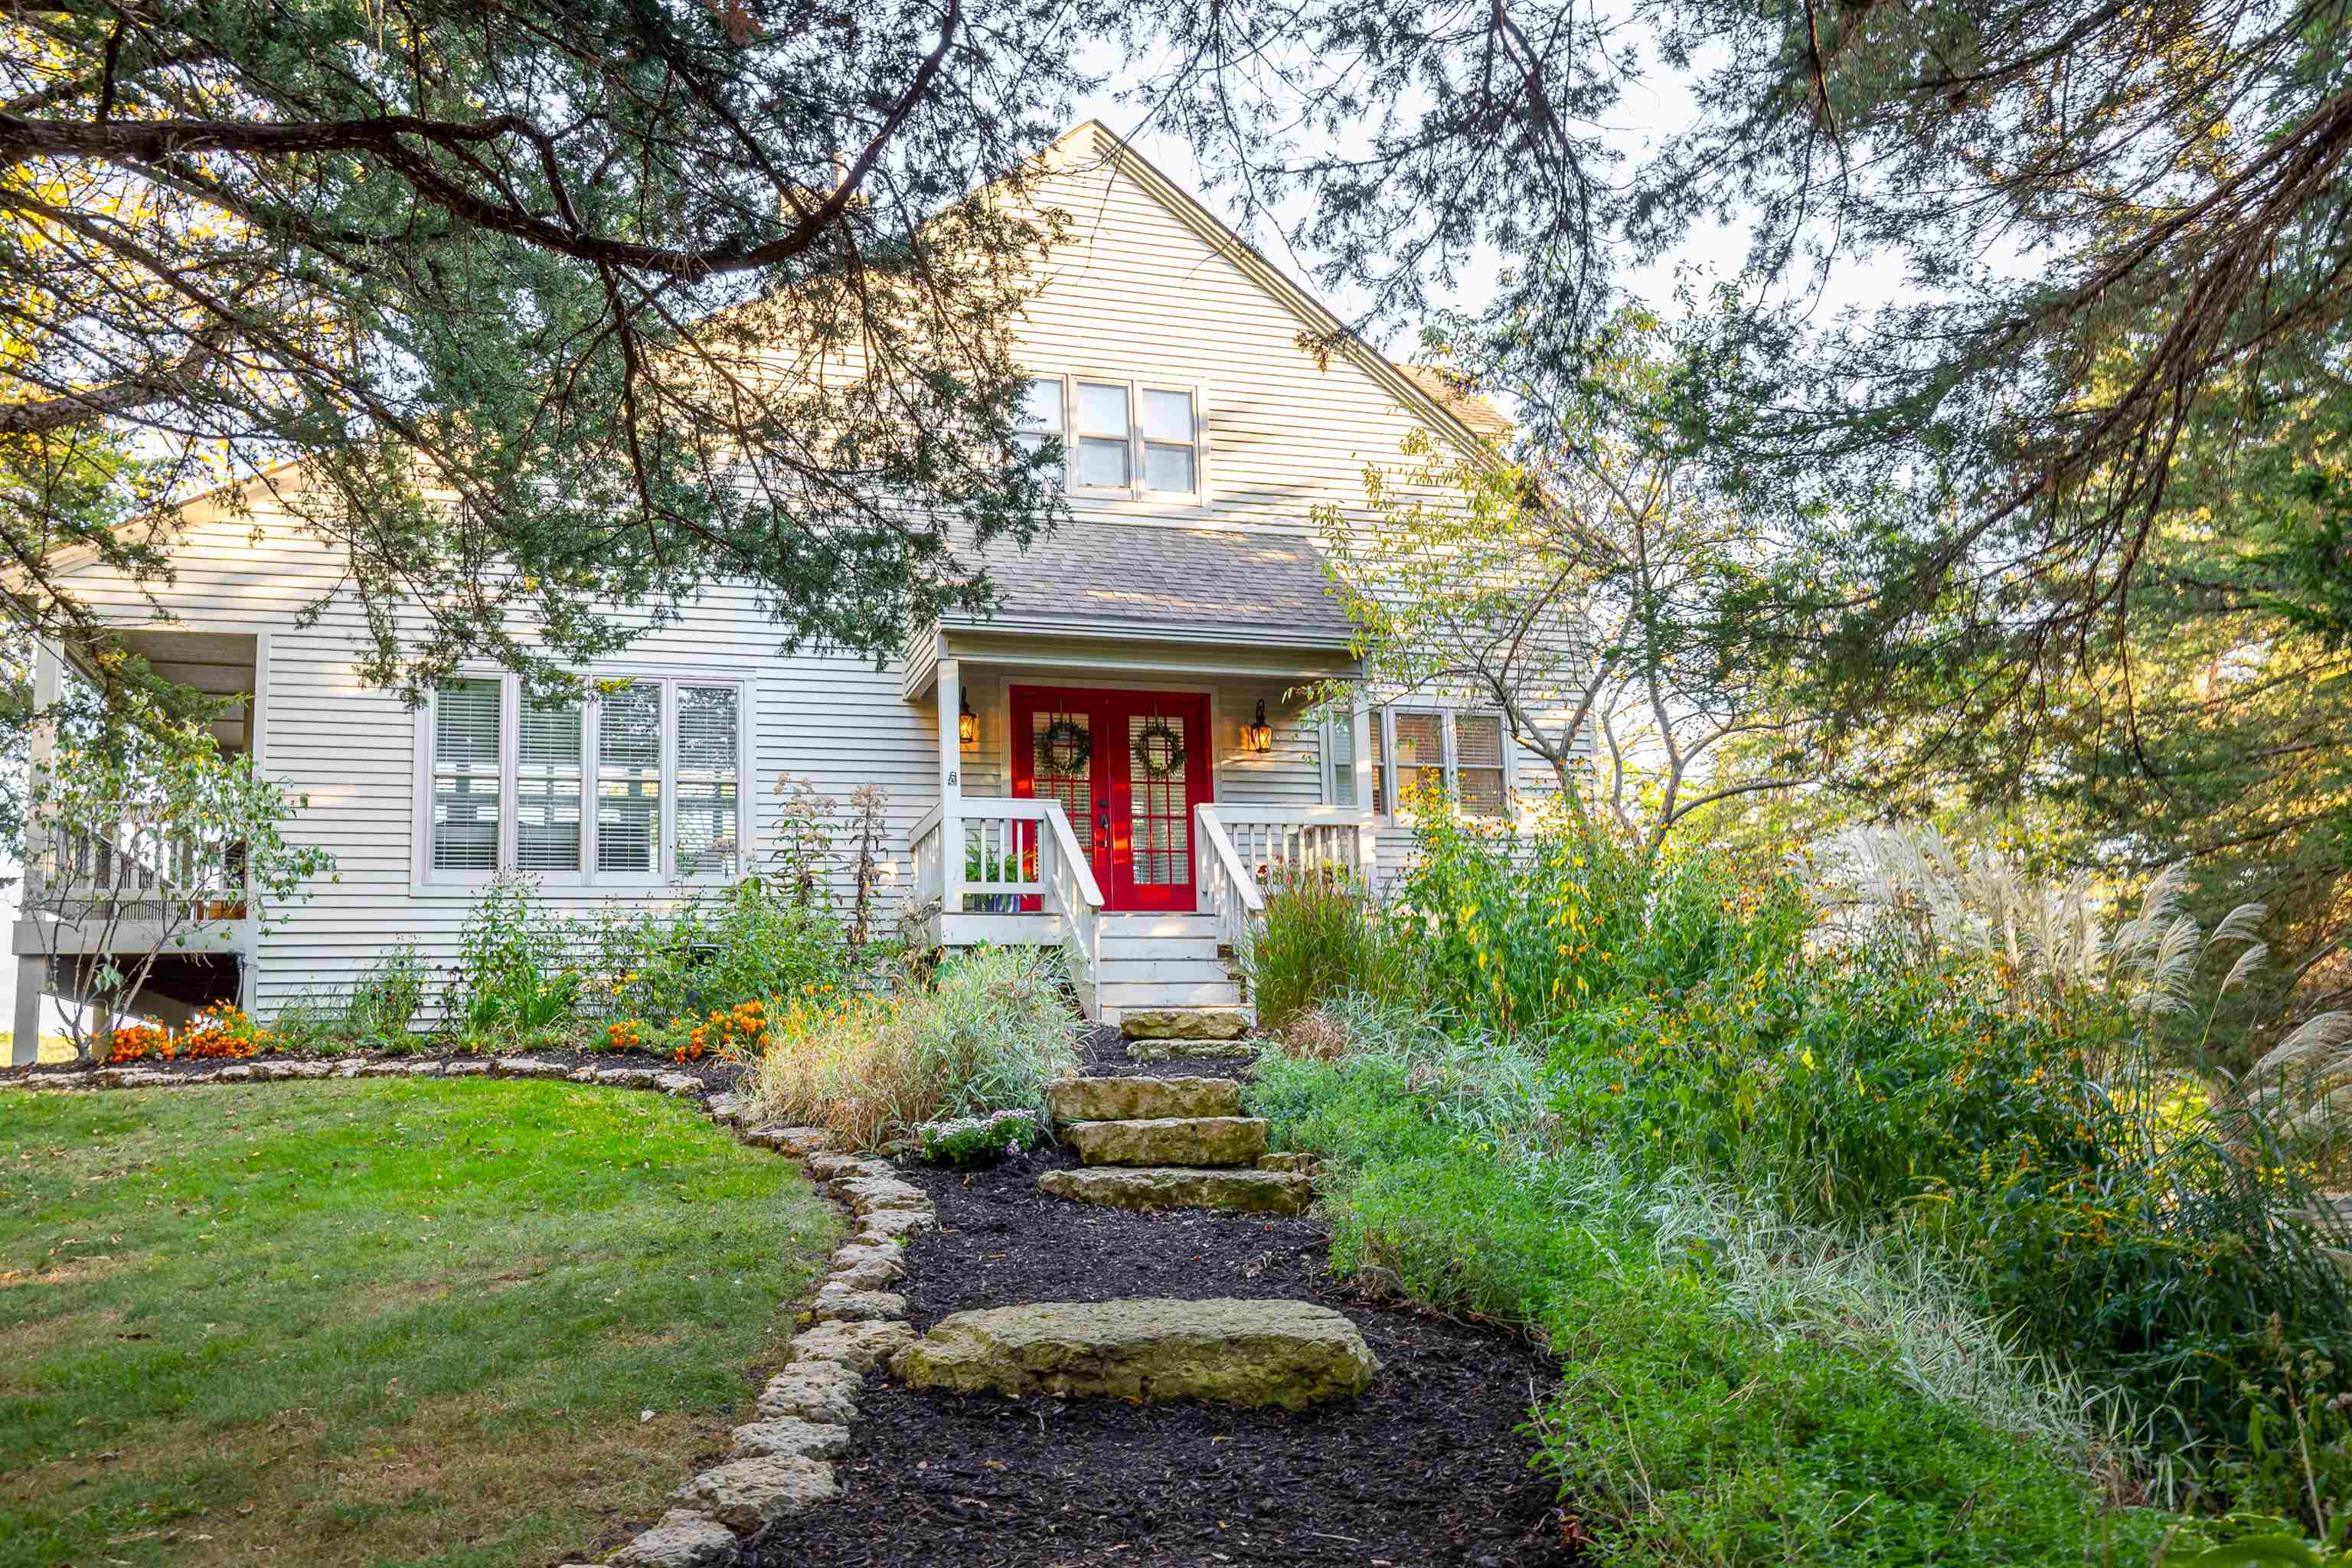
(1159, 750)
(1064, 747)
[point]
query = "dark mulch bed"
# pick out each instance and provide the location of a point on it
(1425, 1468)
(718, 1075)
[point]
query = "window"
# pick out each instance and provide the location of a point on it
(1340, 752)
(1122, 436)
(547, 787)
(1463, 755)
(640, 780)
(709, 744)
(1170, 462)
(1039, 419)
(628, 780)
(1478, 764)
(1103, 435)
(466, 730)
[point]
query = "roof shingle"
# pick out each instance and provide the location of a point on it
(1183, 579)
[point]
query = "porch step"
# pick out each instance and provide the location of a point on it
(1115, 971)
(1190, 1141)
(1129, 996)
(1130, 924)
(1140, 949)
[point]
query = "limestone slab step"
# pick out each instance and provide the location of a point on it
(1140, 1099)
(1185, 1024)
(1169, 1141)
(1168, 1188)
(1279, 1353)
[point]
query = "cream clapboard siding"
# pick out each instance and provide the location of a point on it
(1142, 292)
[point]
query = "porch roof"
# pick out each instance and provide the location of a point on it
(1142, 579)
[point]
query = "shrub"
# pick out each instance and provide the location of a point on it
(1321, 935)
(751, 942)
(512, 980)
(980, 1140)
(987, 1034)
(387, 998)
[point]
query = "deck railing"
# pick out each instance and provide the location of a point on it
(140, 860)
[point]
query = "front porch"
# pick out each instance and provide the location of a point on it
(1126, 786)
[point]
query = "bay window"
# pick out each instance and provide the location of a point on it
(637, 782)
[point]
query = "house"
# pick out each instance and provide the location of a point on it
(1112, 761)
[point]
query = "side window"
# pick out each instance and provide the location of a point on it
(1420, 755)
(466, 773)
(1339, 746)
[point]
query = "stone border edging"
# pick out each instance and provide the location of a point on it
(780, 1462)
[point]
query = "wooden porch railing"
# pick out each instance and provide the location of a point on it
(1013, 849)
(1240, 848)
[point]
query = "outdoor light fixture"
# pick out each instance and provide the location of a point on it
(1257, 735)
(967, 722)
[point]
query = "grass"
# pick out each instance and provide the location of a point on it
(375, 1322)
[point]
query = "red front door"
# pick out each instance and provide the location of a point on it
(1128, 767)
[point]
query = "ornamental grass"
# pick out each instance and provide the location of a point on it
(987, 1034)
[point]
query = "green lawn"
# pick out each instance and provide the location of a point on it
(375, 1322)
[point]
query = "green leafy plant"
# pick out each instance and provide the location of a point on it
(1321, 936)
(387, 998)
(754, 940)
(513, 978)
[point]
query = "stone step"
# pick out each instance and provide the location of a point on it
(1279, 1353)
(1184, 1024)
(1149, 1187)
(1140, 1099)
(1168, 1141)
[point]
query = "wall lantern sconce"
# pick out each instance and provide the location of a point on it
(967, 722)
(1257, 735)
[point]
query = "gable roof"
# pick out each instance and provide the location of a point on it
(1145, 579)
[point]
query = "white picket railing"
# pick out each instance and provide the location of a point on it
(1072, 894)
(1222, 881)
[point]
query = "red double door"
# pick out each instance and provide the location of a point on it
(1128, 767)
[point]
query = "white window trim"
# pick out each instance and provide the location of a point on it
(1133, 490)
(422, 875)
(1384, 767)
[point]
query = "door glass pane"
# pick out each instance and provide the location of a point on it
(1167, 469)
(465, 776)
(1160, 820)
(709, 796)
(1478, 762)
(1168, 416)
(1419, 757)
(628, 780)
(1102, 463)
(1061, 745)
(547, 787)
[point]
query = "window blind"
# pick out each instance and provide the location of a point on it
(1342, 733)
(628, 780)
(465, 776)
(1420, 755)
(709, 809)
(547, 786)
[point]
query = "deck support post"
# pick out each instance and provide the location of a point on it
(32, 982)
(949, 690)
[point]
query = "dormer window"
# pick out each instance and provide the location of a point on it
(1131, 438)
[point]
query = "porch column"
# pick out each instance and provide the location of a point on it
(1360, 721)
(33, 973)
(950, 702)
